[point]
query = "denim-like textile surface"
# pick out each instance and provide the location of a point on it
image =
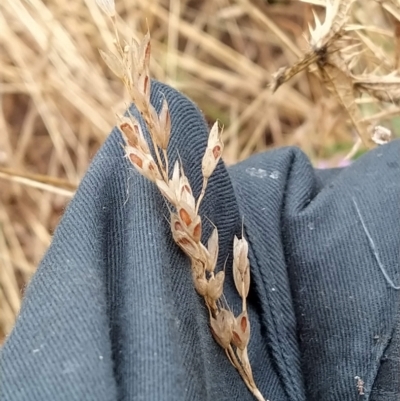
(111, 313)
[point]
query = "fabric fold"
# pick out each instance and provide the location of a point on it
(113, 298)
(345, 307)
(111, 313)
(261, 184)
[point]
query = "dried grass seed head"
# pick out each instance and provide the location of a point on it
(185, 223)
(324, 40)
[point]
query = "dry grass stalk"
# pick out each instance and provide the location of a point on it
(50, 184)
(131, 64)
(335, 47)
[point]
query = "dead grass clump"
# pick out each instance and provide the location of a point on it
(348, 64)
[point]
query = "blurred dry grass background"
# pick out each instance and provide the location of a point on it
(58, 100)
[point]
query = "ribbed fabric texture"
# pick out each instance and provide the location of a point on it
(111, 313)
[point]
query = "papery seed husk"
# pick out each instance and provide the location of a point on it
(143, 163)
(190, 220)
(204, 255)
(217, 152)
(188, 199)
(154, 122)
(144, 50)
(175, 180)
(213, 151)
(166, 191)
(152, 169)
(216, 286)
(193, 230)
(137, 97)
(241, 331)
(213, 250)
(129, 134)
(208, 163)
(136, 160)
(200, 284)
(146, 87)
(196, 231)
(174, 183)
(176, 225)
(221, 327)
(185, 192)
(175, 173)
(187, 244)
(143, 86)
(246, 282)
(164, 119)
(214, 135)
(137, 131)
(240, 251)
(242, 281)
(185, 216)
(198, 269)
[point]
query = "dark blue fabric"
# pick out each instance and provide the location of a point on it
(111, 313)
